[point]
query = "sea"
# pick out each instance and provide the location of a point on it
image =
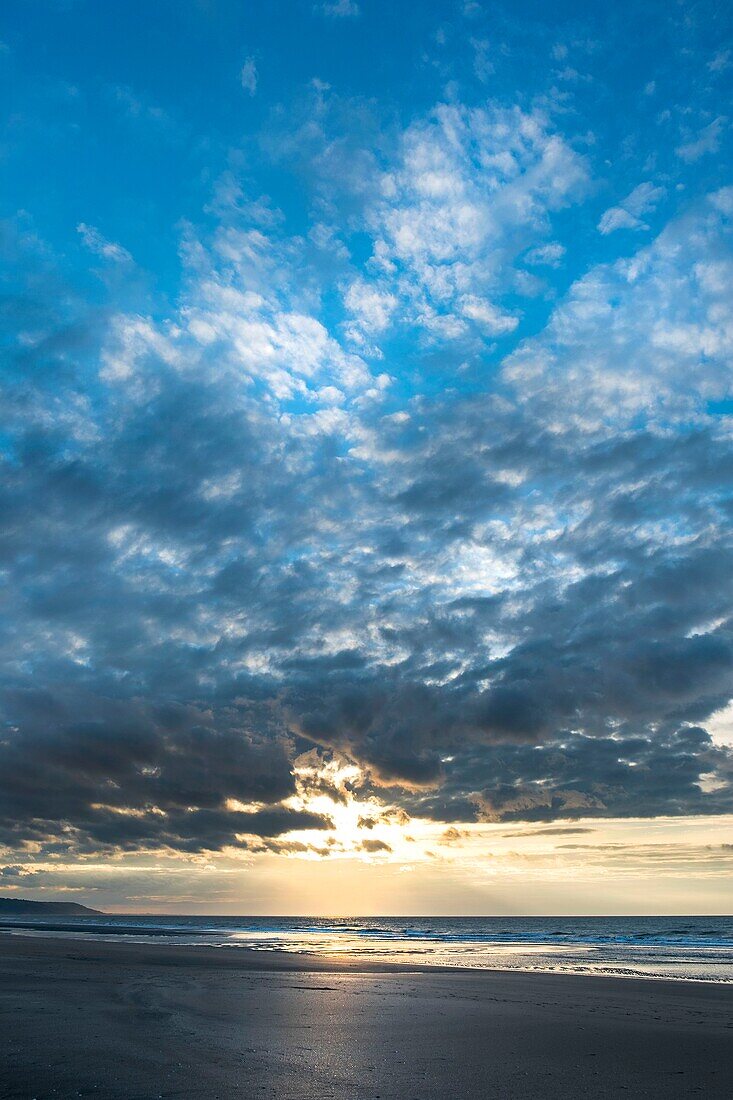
(682, 948)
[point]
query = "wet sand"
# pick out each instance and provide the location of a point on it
(133, 1022)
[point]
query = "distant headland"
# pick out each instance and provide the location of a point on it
(23, 907)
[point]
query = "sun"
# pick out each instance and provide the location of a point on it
(363, 827)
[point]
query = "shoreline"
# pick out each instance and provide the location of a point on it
(235, 956)
(252, 960)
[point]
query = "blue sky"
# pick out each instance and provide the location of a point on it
(366, 433)
(136, 112)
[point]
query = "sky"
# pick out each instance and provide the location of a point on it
(366, 471)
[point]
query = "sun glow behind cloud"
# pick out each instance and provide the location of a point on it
(578, 866)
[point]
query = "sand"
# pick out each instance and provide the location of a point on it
(124, 1021)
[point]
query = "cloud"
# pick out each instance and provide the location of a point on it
(576, 777)
(138, 108)
(131, 775)
(370, 310)
(550, 254)
(563, 830)
(628, 214)
(340, 9)
(483, 66)
(487, 316)
(707, 141)
(720, 61)
(248, 76)
(471, 190)
(96, 243)
(373, 846)
(501, 599)
(667, 328)
(18, 873)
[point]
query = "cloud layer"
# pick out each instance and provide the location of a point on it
(374, 485)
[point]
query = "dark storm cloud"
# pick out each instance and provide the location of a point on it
(132, 776)
(497, 617)
(579, 776)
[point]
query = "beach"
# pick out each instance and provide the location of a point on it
(138, 1021)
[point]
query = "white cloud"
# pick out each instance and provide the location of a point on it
(290, 352)
(495, 321)
(617, 218)
(253, 309)
(722, 200)
(548, 254)
(371, 309)
(720, 725)
(100, 246)
(136, 107)
(707, 141)
(326, 238)
(340, 9)
(470, 191)
(483, 66)
(628, 214)
(248, 76)
(250, 313)
(720, 61)
(652, 334)
(132, 339)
